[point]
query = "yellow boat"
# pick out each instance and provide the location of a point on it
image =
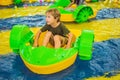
(44, 60)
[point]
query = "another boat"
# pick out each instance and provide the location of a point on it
(44, 60)
(75, 13)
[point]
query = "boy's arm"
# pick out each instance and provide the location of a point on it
(70, 4)
(36, 39)
(70, 36)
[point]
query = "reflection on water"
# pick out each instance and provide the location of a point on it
(106, 58)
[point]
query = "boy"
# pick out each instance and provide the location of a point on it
(57, 34)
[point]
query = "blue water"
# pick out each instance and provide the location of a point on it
(106, 58)
(25, 4)
(31, 21)
(108, 13)
(39, 20)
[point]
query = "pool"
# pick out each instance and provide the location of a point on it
(106, 53)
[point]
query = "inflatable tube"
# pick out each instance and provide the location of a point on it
(44, 60)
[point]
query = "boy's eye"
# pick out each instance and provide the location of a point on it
(48, 16)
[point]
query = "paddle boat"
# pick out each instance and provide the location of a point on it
(75, 13)
(48, 60)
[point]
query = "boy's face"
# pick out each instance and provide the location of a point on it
(50, 19)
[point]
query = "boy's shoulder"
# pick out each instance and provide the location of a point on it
(62, 24)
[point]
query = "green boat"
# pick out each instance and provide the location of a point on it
(78, 14)
(45, 60)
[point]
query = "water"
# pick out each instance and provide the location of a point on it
(8, 23)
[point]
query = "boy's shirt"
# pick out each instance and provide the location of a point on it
(59, 30)
(76, 1)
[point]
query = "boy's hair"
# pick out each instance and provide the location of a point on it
(55, 13)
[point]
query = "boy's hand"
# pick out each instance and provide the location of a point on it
(67, 46)
(35, 44)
